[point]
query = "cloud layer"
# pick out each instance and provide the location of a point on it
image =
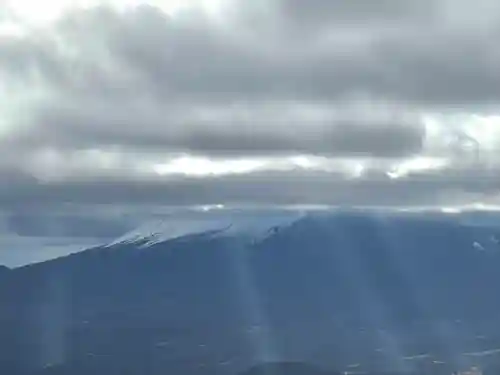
(320, 101)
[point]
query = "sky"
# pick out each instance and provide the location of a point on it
(132, 103)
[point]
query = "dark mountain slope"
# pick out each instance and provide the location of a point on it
(344, 290)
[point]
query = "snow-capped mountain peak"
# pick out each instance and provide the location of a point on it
(251, 228)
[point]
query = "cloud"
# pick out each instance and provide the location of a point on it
(322, 14)
(414, 186)
(139, 79)
(39, 231)
(247, 129)
(142, 51)
(117, 104)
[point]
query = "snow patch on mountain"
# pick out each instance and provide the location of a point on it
(252, 228)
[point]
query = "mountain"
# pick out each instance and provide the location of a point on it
(343, 290)
(287, 368)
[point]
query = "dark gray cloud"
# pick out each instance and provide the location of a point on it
(339, 139)
(326, 14)
(30, 224)
(250, 130)
(37, 232)
(446, 187)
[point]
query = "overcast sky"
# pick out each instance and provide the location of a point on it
(357, 102)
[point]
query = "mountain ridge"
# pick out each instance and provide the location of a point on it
(224, 224)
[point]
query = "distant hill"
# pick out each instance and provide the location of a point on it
(348, 291)
(287, 368)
